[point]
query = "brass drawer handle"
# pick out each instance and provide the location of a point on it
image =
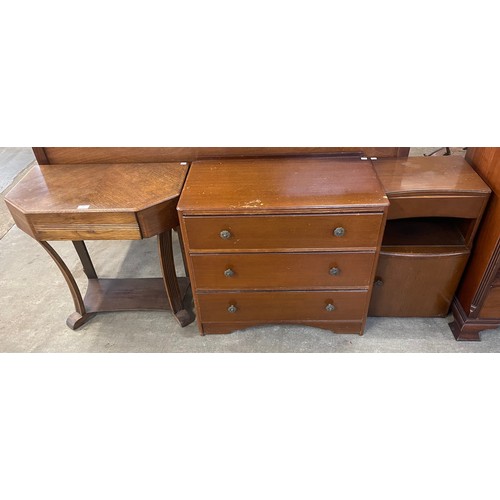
(330, 307)
(334, 271)
(339, 231)
(228, 273)
(232, 309)
(225, 235)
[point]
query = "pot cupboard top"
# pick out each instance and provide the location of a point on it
(439, 174)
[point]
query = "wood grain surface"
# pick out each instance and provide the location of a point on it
(94, 202)
(111, 187)
(485, 258)
(423, 231)
(491, 305)
(436, 205)
(435, 174)
(275, 186)
(279, 226)
(416, 284)
(57, 155)
(283, 270)
(282, 306)
(281, 232)
(405, 206)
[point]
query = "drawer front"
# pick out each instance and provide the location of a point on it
(86, 226)
(467, 207)
(257, 233)
(279, 270)
(282, 306)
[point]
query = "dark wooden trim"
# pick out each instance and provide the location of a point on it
(102, 155)
(464, 328)
(485, 285)
(48, 156)
(40, 156)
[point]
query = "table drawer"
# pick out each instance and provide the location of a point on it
(282, 270)
(282, 306)
(85, 226)
(283, 232)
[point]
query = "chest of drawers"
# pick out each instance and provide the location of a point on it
(282, 241)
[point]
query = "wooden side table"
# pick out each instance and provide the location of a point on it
(106, 202)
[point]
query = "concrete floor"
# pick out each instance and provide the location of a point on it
(34, 304)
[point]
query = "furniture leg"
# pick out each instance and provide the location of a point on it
(80, 316)
(83, 253)
(466, 328)
(183, 252)
(174, 296)
(465, 332)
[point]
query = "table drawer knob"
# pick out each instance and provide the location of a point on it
(330, 307)
(228, 273)
(232, 309)
(339, 231)
(334, 271)
(379, 282)
(225, 235)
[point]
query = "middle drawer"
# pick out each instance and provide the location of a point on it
(282, 270)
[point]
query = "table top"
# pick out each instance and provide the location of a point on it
(437, 174)
(125, 187)
(289, 185)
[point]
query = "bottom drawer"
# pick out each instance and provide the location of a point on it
(269, 307)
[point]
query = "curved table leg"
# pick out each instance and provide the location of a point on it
(80, 316)
(174, 297)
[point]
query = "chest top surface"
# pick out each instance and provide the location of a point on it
(291, 185)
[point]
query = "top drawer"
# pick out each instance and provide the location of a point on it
(466, 207)
(283, 232)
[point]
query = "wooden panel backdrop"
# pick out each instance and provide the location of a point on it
(46, 156)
